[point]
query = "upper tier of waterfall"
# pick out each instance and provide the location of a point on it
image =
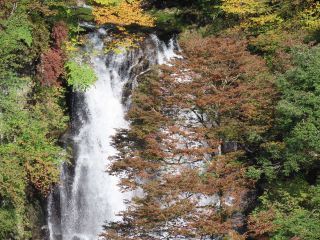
(88, 196)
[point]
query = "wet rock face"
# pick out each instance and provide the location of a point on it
(141, 59)
(144, 58)
(228, 147)
(238, 222)
(248, 203)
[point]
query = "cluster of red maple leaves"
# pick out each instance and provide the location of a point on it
(51, 65)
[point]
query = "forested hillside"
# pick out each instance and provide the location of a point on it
(223, 143)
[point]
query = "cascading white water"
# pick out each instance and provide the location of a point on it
(91, 197)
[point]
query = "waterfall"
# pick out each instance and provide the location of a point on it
(87, 195)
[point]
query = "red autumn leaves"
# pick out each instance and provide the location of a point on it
(51, 65)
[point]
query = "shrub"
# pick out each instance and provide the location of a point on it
(51, 67)
(59, 34)
(80, 76)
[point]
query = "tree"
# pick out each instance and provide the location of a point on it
(80, 76)
(288, 210)
(289, 206)
(122, 13)
(191, 128)
(298, 111)
(294, 146)
(256, 15)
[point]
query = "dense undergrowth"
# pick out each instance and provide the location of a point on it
(33, 38)
(224, 143)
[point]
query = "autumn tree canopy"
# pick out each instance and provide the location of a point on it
(190, 127)
(121, 13)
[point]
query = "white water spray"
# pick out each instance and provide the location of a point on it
(91, 197)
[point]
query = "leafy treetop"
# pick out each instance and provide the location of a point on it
(122, 14)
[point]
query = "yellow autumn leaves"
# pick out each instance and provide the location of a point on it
(243, 7)
(254, 13)
(122, 14)
(311, 17)
(262, 14)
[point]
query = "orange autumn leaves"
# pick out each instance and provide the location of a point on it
(189, 143)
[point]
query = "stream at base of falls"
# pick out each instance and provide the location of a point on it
(88, 196)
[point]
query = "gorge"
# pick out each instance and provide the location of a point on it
(159, 119)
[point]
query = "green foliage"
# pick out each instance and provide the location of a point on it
(7, 223)
(293, 157)
(300, 222)
(14, 40)
(80, 76)
(295, 149)
(28, 151)
(31, 117)
(254, 173)
(296, 206)
(169, 19)
(84, 14)
(298, 112)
